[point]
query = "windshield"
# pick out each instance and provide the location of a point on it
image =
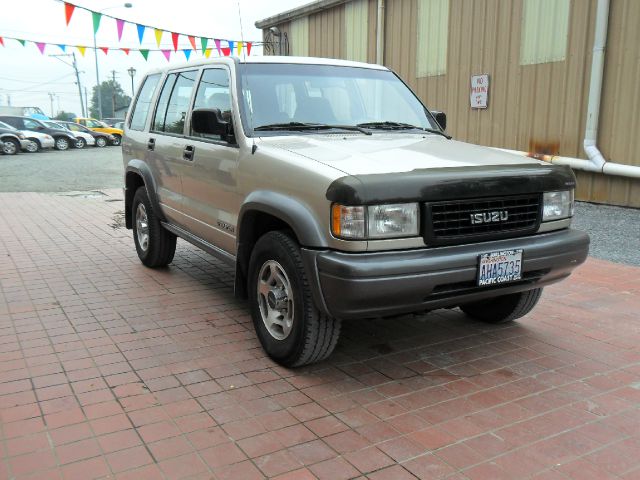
(96, 124)
(279, 94)
(57, 126)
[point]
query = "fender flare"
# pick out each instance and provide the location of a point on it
(141, 169)
(296, 214)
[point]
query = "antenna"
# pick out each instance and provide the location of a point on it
(244, 50)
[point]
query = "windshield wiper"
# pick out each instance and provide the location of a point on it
(299, 126)
(401, 126)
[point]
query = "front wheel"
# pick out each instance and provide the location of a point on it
(155, 245)
(503, 309)
(62, 143)
(81, 143)
(116, 140)
(10, 146)
(33, 146)
(290, 328)
(101, 142)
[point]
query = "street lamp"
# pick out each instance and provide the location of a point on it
(95, 51)
(132, 73)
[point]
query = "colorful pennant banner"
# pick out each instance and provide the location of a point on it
(233, 45)
(230, 49)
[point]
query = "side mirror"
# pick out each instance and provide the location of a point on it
(441, 118)
(209, 121)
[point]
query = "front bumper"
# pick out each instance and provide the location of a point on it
(360, 285)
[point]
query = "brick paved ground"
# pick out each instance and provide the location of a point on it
(112, 370)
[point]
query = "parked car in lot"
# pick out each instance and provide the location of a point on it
(98, 126)
(101, 139)
(39, 141)
(335, 194)
(63, 139)
(82, 139)
(12, 141)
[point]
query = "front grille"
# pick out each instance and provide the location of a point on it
(451, 221)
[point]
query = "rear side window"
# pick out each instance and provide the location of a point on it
(174, 101)
(143, 103)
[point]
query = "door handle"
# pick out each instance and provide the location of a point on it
(188, 152)
(151, 144)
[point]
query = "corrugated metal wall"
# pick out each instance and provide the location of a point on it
(538, 106)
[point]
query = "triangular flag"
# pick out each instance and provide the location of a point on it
(226, 51)
(41, 46)
(174, 38)
(144, 53)
(231, 46)
(158, 34)
(19, 40)
(120, 26)
(217, 42)
(187, 53)
(125, 50)
(68, 11)
(239, 48)
(81, 50)
(249, 48)
(1, 41)
(140, 32)
(207, 53)
(97, 16)
(204, 42)
(62, 47)
(192, 41)
(104, 49)
(166, 53)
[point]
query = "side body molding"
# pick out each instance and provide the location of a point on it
(142, 170)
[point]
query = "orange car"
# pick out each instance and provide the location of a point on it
(98, 126)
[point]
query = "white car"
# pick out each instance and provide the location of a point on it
(82, 139)
(39, 141)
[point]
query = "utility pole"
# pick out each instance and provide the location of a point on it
(51, 95)
(113, 93)
(74, 65)
(86, 100)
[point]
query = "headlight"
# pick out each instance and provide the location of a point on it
(557, 205)
(375, 221)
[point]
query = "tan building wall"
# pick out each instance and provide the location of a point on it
(538, 106)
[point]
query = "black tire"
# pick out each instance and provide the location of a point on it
(117, 140)
(34, 146)
(62, 143)
(101, 142)
(161, 244)
(10, 146)
(313, 335)
(503, 309)
(80, 143)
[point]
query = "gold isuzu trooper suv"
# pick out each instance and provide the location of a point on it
(336, 194)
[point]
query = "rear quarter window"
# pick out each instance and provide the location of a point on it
(142, 106)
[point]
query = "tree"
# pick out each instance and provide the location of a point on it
(111, 93)
(67, 116)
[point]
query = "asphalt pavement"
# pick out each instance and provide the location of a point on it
(615, 231)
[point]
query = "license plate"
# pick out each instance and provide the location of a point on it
(500, 267)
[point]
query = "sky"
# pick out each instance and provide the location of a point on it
(28, 76)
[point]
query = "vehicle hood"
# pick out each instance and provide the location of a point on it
(31, 133)
(391, 153)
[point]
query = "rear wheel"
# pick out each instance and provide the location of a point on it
(80, 143)
(503, 309)
(62, 143)
(116, 140)
(101, 142)
(10, 146)
(289, 326)
(155, 245)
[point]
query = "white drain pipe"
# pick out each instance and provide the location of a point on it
(596, 162)
(380, 34)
